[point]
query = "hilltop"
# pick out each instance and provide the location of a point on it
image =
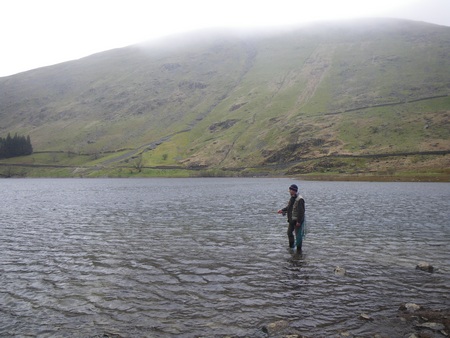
(366, 98)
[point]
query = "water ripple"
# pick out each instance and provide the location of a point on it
(192, 257)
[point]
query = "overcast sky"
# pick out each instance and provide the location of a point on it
(37, 33)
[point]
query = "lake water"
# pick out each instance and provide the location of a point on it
(209, 257)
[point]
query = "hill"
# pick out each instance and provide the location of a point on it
(351, 98)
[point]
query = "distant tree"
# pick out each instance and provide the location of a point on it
(15, 146)
(29, 146)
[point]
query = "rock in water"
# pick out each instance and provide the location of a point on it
(275, 327)
(432, 326)
(425, 267)
(338, 271)
(365, 316)
(410, 307)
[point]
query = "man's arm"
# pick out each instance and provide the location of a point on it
(284, 210)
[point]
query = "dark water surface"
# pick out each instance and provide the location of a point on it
(209, 257)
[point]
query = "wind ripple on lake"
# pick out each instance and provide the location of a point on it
(209, 257)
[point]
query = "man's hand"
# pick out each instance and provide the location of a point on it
(298, 224)
(280, 211)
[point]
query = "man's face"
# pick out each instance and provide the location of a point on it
(292, 192)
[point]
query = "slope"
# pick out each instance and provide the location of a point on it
(228, 100)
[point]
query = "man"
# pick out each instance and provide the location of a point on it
(295, 211)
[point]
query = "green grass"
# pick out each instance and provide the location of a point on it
(280, 88)
(399, 128)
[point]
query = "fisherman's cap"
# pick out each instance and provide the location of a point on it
(293, 187)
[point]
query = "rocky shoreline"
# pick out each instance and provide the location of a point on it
(423, 322)
(427, 323)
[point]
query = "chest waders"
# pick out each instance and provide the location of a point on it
(300, 233)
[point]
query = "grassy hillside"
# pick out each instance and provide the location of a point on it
(328, 98)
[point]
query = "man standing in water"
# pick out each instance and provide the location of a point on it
(295, 211)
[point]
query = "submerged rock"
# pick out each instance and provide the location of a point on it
(413, 335)
(426, 319)
(432, 326)
(275, 327)
(108, 335)
(281, 328)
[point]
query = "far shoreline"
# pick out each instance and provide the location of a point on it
(361, 177)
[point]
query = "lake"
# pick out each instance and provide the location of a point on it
(209, 257)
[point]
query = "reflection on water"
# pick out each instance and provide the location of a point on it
(192, 257)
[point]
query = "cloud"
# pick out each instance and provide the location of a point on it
(44, 32)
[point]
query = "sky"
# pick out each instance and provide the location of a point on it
(38, 33)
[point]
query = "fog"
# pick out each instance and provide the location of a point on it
(46, 32)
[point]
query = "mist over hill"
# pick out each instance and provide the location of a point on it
(366, 96)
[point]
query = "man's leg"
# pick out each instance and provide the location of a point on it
(290, 234)
(299, 237)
